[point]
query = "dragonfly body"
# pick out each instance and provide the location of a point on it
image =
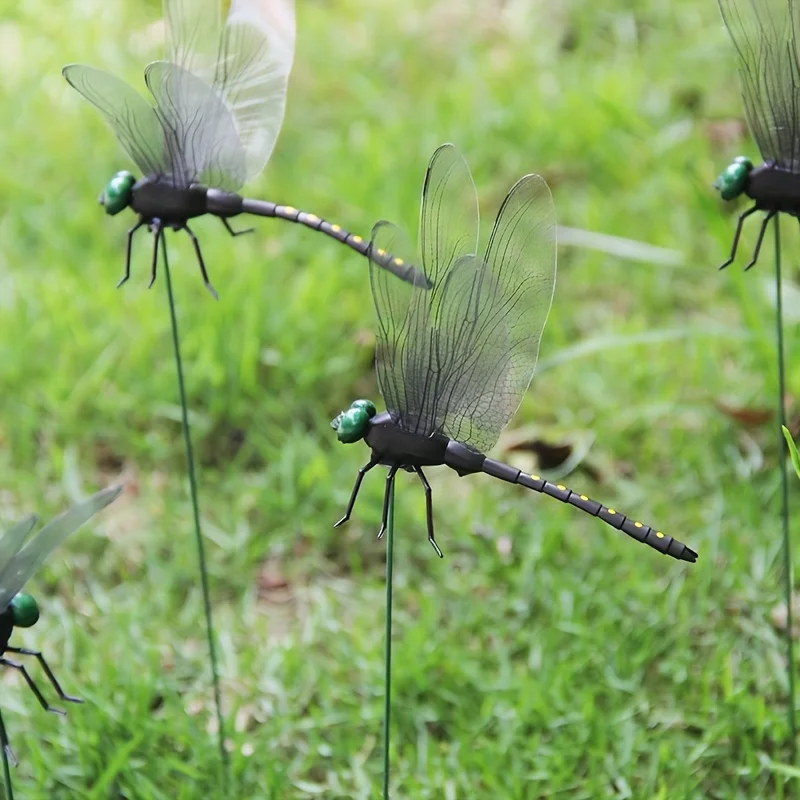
(218, 105)
(774, 189)
(765, 37)
(454, 362)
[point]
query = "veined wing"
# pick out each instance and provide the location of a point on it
(408, 364)
(193, 31)
(21, 567)
(132, 119)
(13, 539)
(491, 317)
(199, 130)
(764, 33)
(252, 73)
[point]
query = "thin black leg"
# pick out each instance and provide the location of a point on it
(5, 743)
(739, 225)
(32, 685)
(361, 473)
(155, 226)
(24, 651)
(129, 250)
(428, 509)
(760, 239)
(232, 232)
(386, 495)
(201, 262)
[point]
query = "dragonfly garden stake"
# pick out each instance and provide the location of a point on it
(20, 557)
(765, 36)
(219, 105)
(454, 362)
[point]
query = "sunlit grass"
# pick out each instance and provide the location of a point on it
(573, 661)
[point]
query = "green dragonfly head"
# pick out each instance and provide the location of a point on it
(24, 610)
(351, 425)
(733, 180)
(118, 193)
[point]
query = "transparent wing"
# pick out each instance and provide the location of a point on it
(129, 115)
(449, 218)
(199, 130)
(393, 300)
(252, 73)
(193, 30)
(491, 318)
(764, 33)
(457, 359)
(15, 574)
(13, 539)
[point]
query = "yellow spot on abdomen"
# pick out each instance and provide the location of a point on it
(336, 228)
(357, 239)
(584, 497)
(290, 210)
(560, 486)
(659, 534)
(381, 252)
(312, 218)
(637, 524)
(398, 261)
(535, 477)
(611, 511)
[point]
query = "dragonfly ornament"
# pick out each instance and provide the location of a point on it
(453, 363)
(765, 35)
(20, 557)
(217, 108)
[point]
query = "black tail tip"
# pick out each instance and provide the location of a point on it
(688, 555)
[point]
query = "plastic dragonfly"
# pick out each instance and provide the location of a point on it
(453, 363)
(765, 35)
(18, 562)
(219, 105)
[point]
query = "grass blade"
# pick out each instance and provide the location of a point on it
(387, 699)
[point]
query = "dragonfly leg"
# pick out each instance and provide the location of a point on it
(5, 743)
(32, 686)
(386, 495)
(24, 651)
(129, 250)
(361, 473)
(202, 263)
(735, 245)
(232, 232)
(428, 509)
(760, 239)
(155, 226)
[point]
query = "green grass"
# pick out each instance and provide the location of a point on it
(574, 663)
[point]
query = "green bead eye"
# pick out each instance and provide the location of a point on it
(351, 425)
(118, 192)
(24, 610)
(733, 180)
(366, 405)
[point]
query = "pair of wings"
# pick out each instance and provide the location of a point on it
(219, 98)
(765, 34)
(458, 358)
(18, 562)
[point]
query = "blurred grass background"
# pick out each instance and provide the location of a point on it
(546, 655)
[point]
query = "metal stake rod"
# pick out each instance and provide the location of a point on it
(387, 704)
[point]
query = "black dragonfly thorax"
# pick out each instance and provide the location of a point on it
(774, 188)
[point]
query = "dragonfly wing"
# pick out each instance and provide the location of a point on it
(19, 569)
(449, 218)
(129, 115)
(490, 320)
(200, 130)
(407, 316)
(764, 33)
(13, 539)
(252, 74)
(395, 347)
(193, 33)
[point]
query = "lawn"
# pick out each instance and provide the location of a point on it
(546, 655)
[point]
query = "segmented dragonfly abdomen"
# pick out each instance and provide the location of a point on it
(656, 539)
